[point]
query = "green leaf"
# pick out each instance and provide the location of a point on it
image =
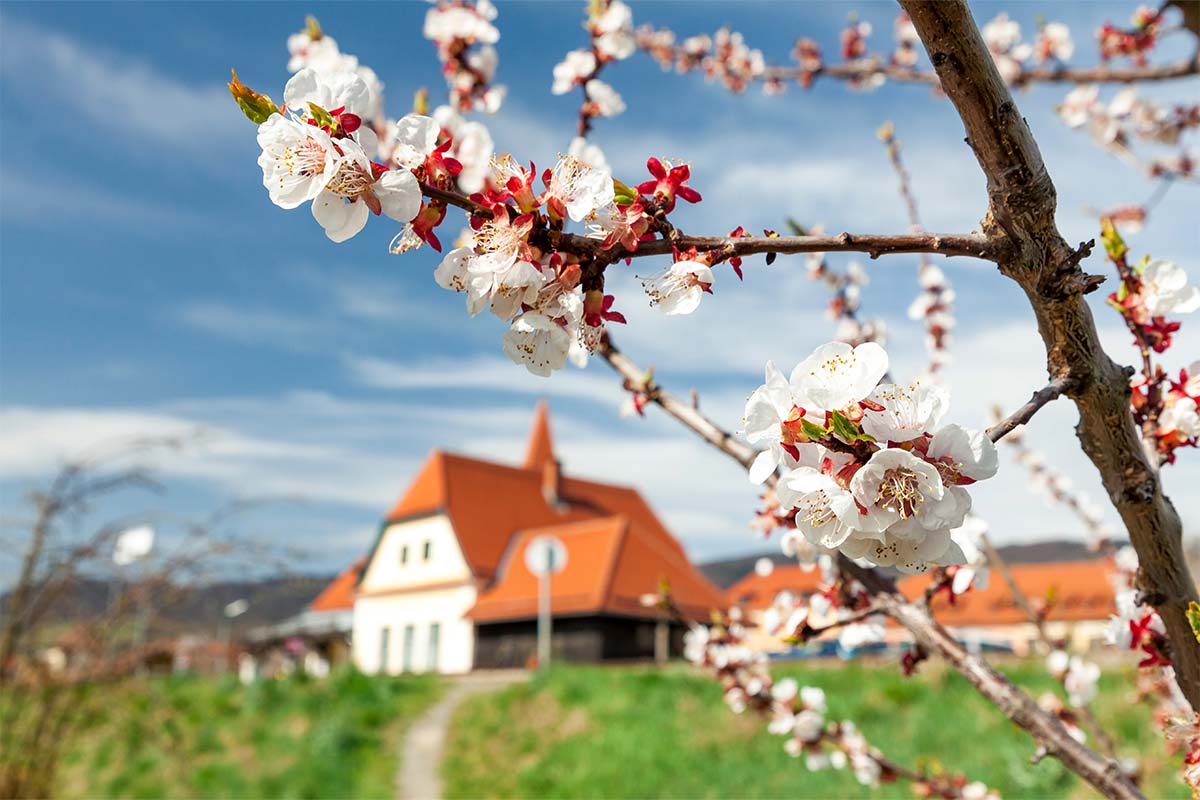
(1193, 616)
(846, 430)
(1114, 245)
(813, 431)
(795, 227)
(256, 106)
(324, 118)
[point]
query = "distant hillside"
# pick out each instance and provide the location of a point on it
(199, 609)
(729, 571)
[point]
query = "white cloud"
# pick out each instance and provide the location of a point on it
(116, 92)
(484, 373)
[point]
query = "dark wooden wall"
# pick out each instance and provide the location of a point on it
(501, 645)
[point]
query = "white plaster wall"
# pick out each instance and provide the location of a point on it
(392, 595)
(446, 562)
(448, 607)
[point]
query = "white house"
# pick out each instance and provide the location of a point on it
(444, 573)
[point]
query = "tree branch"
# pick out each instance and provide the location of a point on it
(1047, 730)
(869, 68)
(973, 245)
(1051, 391)
(1022, 211)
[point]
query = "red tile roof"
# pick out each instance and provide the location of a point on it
(611, 563)
(488, 502)
(756, 592)
(494, 509)
(1080, 589)
(541, 444)
(339, 594)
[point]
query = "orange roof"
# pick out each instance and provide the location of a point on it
(755, 592)
(1080, 589)
(488, 502)
(611, 562)
(541, 444)
(339, 594)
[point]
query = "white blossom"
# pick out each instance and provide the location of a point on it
(908, 411)
(607, 100)
(576, 67)
(1165, 289)
(836, 375)
(1181, 416)
(297, 160)
(678, 289)
(614, 31)
(581, 189)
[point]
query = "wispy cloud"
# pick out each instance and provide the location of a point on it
(248, 325)
(479, 373)
(113, 91)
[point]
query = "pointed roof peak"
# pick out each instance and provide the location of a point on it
(540, 448)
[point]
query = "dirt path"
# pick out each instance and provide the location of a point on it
(419, 776)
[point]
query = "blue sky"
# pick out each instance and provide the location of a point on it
(149, 286)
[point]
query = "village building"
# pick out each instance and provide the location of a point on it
(316, 639)
(1077, 595)
(446, 589)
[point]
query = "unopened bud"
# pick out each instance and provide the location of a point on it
(257, 107)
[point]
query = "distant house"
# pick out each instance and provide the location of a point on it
(316, 638)
(445, 587)
(1079, 594)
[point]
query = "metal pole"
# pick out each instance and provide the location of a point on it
(544, 614)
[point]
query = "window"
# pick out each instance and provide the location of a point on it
(403, 554)
(410, 635)
(427, 550)
(385, 636)
(435, 633)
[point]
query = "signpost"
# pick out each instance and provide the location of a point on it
(545, 556)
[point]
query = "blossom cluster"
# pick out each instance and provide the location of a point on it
(1164, 406)
(610, 28)
(799, 714)
(1127, 118)
(1135, 626)
(465, 37)
(1134, 42)
(723, 57)
(313, 49)
(553, 298)
(868, 467)
(1053, 45)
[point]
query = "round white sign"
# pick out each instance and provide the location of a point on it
(545, 555)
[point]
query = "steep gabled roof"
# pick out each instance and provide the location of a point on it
(488, 502)
(611, 563)
(339, 594)
(540, 448)
(755, 592)
(1080, 589)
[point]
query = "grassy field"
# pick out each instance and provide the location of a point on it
(640, 732)
(196, 737)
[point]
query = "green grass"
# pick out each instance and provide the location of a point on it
(195, 737)
(639, 732)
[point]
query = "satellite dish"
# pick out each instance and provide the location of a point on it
(546, 555)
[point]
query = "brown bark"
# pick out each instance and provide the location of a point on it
(1021, 210)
